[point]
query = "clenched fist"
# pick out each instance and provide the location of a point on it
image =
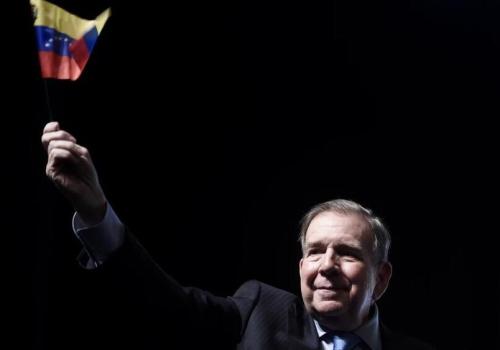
(70, 167)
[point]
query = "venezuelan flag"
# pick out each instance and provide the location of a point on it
(65, 41)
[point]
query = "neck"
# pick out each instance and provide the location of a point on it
(341, 323)
(334, 324)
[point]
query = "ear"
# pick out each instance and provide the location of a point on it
(384, 274)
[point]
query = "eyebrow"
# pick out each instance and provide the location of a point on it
(349, 248)
(310, 245)
(342, 246)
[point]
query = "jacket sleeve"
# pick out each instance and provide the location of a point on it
(159, 311)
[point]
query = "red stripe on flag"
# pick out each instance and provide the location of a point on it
(58, 67)
(80, 52)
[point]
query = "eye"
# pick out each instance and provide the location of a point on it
(349, 258)
(350, 255)
(314, 253)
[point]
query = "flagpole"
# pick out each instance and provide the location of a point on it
(47, 100)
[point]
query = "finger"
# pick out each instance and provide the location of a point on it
(80, 157)
(51, 126)
(56, 135)
(58, 158)
(62, 144)
(77, 150)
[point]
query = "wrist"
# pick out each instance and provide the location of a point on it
(92, 216)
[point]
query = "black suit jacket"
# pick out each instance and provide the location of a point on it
(155, 312)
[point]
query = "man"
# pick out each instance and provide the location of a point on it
(344, 270)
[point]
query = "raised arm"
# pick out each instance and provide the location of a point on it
(158, 311)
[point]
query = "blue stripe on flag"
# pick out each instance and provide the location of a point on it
(49, 39)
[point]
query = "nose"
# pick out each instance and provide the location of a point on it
(329, 263)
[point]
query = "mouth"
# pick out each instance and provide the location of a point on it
(327, 293)
(326, 288)
(329, 289)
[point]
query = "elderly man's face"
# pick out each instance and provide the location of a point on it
(339, 277)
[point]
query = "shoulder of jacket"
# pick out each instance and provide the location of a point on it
(255, 288)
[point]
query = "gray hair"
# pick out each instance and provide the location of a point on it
(382, 237)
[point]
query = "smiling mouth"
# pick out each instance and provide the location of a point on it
(328, 287)
(333, 290)
(329, 290)
(326, 293)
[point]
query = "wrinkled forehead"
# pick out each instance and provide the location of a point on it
(334, 225)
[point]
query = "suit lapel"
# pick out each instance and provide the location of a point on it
(302, 334)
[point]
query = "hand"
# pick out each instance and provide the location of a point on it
(71, 169)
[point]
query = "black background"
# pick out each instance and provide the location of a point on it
(214, 127)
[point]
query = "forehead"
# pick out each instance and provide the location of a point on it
(330, 225)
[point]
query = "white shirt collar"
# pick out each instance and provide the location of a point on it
(369, 331)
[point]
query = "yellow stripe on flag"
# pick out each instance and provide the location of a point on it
(53, 16)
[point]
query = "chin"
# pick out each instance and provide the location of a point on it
(328, 308)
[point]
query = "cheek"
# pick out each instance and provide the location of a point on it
(359, 277)
(307, 276)
(355, 272)
(308, 272)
